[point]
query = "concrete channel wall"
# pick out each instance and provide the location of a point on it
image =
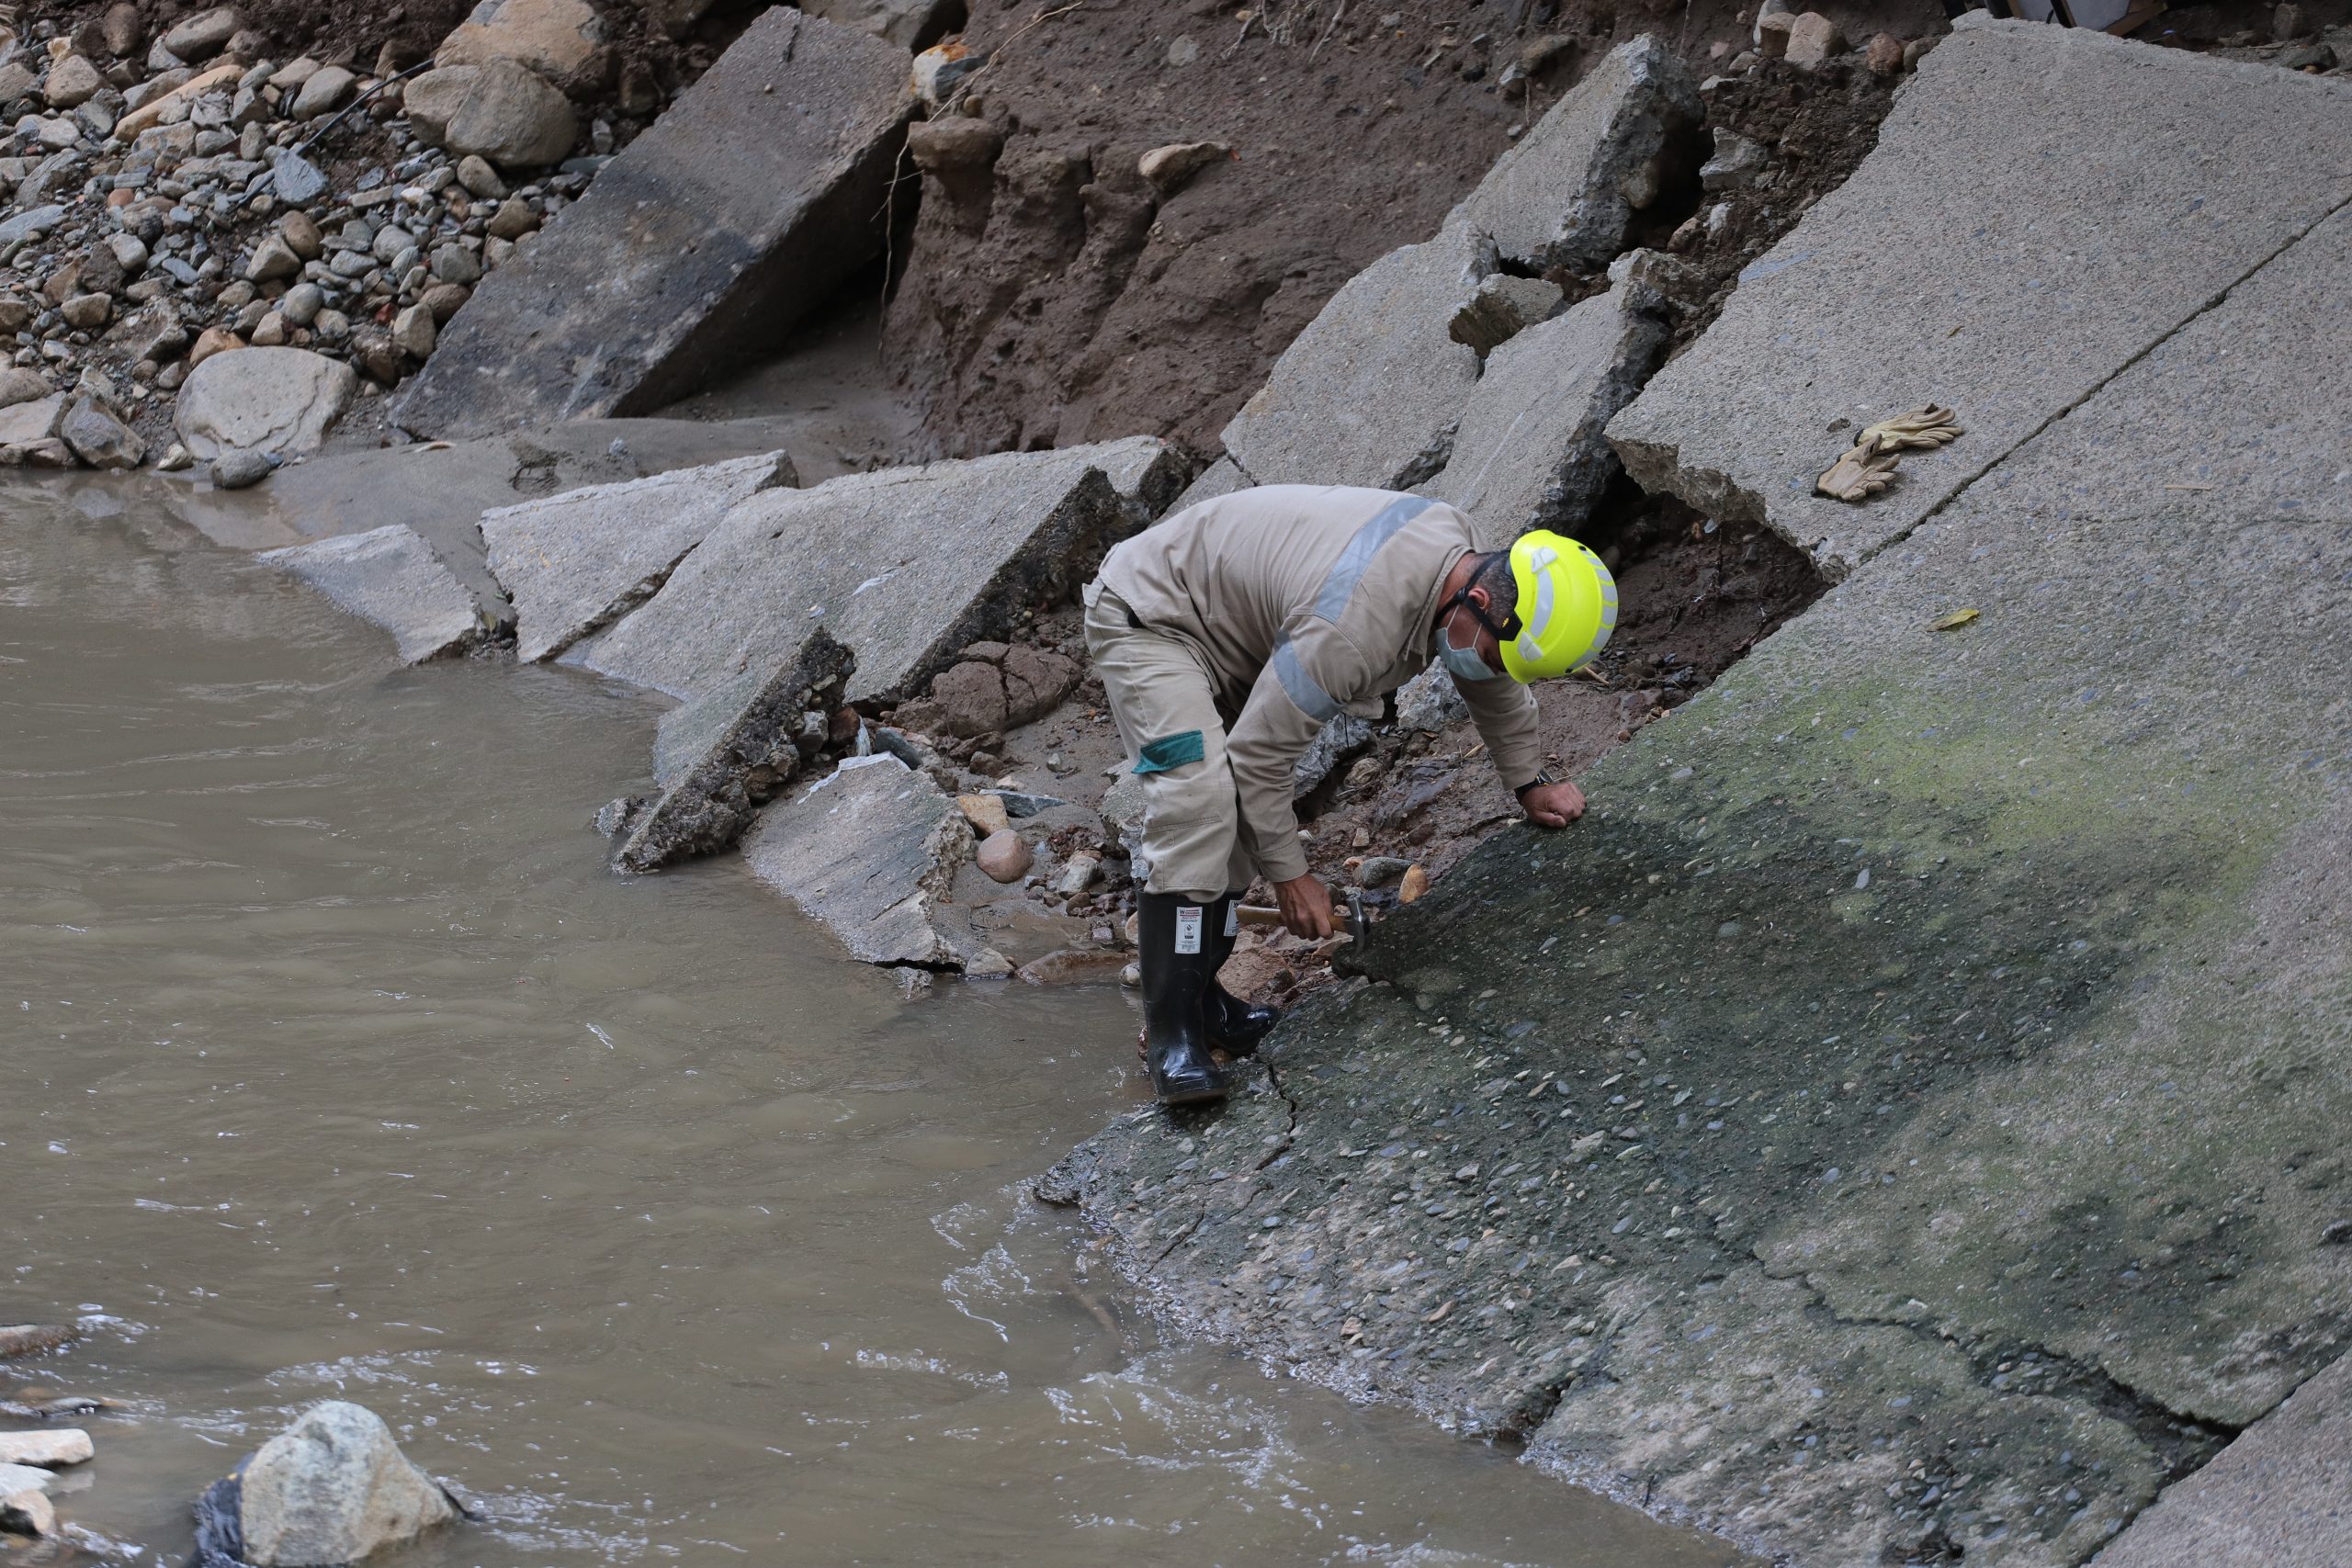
(1902, 1122)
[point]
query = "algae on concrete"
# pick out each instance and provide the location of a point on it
(1902, 1120)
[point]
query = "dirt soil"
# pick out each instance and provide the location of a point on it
(1070, 302)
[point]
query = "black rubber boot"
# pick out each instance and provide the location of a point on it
(1235, 1026)
(1175, 986)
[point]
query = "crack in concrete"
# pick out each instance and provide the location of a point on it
(2182, 1441)
(2219, 298)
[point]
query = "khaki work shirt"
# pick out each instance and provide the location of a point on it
(1309, 600)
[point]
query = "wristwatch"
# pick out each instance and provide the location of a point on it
(1538, 781)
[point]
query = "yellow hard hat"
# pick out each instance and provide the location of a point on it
(1568, 606)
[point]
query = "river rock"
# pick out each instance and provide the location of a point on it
(18, 385)
(574, 562)
(731, 217)
(204, 35)
(33, 1338)
(1005, 855)
(868, 849)
(16, 1478)
(323, 93)
(100, 439)
(862, 553)
(73, 82)
(390, 576)
(722, 756)
(1565, 193)
(497, 109)
(1813, 39)
(986, 813)
(412, 330)
(332, 1488)
(47, 1448)
(241, 468)
(36, 419)
(564, 40)
(264, 400)
(480, 179)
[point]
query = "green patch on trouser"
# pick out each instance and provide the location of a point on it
(1171, 751)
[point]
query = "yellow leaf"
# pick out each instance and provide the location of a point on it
(1957, 618)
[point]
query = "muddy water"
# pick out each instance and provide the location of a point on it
(334, 1065)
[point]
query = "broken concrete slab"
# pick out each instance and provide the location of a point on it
(1952, 1163)
(2010, 287)
(575, 562)
(1368, 394)
(1531, 451)
(700, 246)
(2274, 1498)
(1565, 193)
(722, 756)
(1220, 478)
(907, 567)
(440, 488)
(867, 850)
(391, 577)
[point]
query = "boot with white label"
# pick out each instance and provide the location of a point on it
(1178, 967)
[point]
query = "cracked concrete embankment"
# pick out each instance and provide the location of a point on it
(1901, 1122)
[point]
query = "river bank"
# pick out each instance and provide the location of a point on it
(880, 695)
(341, 1072)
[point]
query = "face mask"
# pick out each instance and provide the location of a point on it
(1462, 663)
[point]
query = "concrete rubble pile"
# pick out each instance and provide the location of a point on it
(1900, 1123)
(1377, 389)
(779, 616)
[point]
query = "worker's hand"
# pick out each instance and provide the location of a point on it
(1553, 805)
(1306, 906)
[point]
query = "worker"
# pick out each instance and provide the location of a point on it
(1229, 635)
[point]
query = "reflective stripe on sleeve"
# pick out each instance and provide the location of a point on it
(1356, 559)
(1306, 692)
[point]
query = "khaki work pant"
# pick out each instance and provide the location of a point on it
(1161, 690)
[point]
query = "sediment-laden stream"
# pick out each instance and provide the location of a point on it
(335, 1063)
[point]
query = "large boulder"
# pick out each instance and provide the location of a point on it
(573, 563)
(1565, 194)
(906, 567)
(391, 577)
(1369, 393)
(333, 1488)
(2008, 287)
(700, 245)
(265, 399)
(870, 850)
(564, 40)
(495, 109)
